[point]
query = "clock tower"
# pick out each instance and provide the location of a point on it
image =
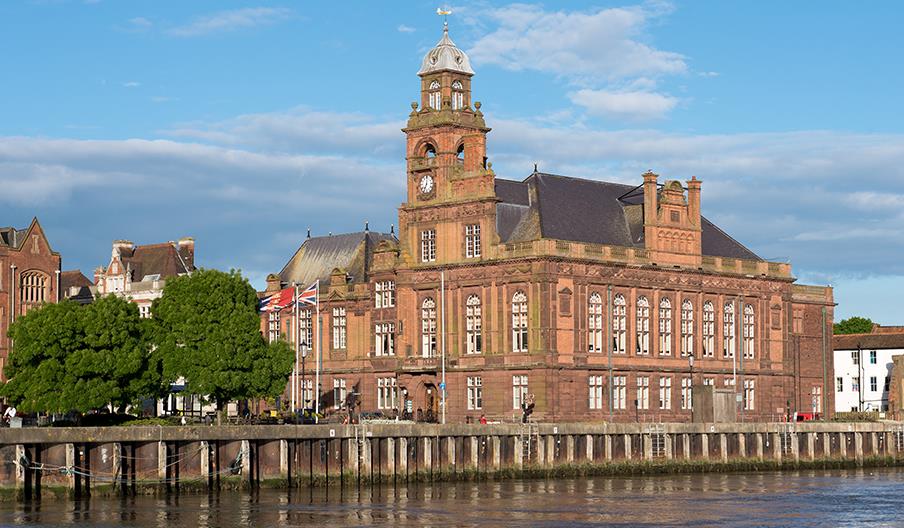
(450, 185)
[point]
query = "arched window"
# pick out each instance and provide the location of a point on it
(642, 326)
(428, 328)
(595, 323)
(619, 323)
(474, 325)
(460, 153)
(687, 328)
(749, 329)
(519, 322)
(709, 329)
(429, 150)
(458, 97)
(728, 331)
(435, 96)
(665, 327)
(33, 288)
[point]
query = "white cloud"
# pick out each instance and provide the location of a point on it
(231, 20)
(602, 44)
(405, 29)
(140, 22)
(131, 84)
(630, 105)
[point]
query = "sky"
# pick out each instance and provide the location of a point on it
(243, 124)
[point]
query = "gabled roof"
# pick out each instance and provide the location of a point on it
(868, 341)
(165, 260)
(74, 278)
(13, 238)
(319, 256)
(580, 210)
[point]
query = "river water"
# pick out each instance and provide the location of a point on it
(869, 497)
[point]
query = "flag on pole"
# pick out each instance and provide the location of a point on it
(277, 301)
(443, 12)
(309, 296)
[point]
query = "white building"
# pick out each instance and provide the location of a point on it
(863, 364)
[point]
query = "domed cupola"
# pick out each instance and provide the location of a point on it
(445, 56)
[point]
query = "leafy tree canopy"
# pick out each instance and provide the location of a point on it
(66, 357)
(854, 325)
(207, 329)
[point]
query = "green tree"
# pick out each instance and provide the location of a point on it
(854, 325)
(207, 329)
(66, 357)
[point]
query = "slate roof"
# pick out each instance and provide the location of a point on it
(164, 259)
(75, 286)
(11, 237)
(319, 256)
(580, 210)
(868, 341)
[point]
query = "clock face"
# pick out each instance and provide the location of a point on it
(426, 184)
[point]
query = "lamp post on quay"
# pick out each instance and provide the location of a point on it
(690, 363)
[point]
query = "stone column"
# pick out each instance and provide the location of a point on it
(551, 441)
(427, 454)
(742, 445)
(826, 445)
(497, 452)
(669, 438)
(451, 455)
(569, 448)
(811, 446)
(686, 445)
(475, 452)
(204, 453)
(842, 444)
(759, 445)
(389, 463)
(22, 469)
(283, 459)
(588, 446)
(795, 447)
(607, 439)
(117, 463)
(647, 440)
(776, 446)
(541, 450)
(704, 446)
(723, 446)
(161, 460)
(858, 447)
(875, 443)
(246, 462)
(70, 464)
(403, 457)
(519, 451)
(628, 447)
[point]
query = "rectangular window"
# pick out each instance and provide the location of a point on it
(665, 393)
(384, 339)
(519, 391)
(619, 392)
(855, 384)
(729, 382)
(873, 383)
(339, 393)
(872, 357)
(307, 329)
(839, 384)
(817, 399)
(643, 392)
(686, 395)
(273, 326)
(709, 381)
(596, 392)
(475, 393)
(619, 325)
(749, 394)
(307, 392)
(339, 324)
(144, 311)
(384, 294)
(728, 331)
(855, 356)
(474, 325)
(428, 245)
(386, 393)
(472, 241)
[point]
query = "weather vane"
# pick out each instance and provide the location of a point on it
(444, 12)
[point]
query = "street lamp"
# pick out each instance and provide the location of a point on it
(690, 363)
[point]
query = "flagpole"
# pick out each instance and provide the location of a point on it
(317, 359)
(297, 344)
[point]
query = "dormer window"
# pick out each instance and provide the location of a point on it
(436, 97)
(458, 96)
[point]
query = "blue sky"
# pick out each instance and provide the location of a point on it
(242, 124)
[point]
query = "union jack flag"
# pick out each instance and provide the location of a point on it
(309, 296)
(277, 301)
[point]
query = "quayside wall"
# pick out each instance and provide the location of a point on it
(82, 461)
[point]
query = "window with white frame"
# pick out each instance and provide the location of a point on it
(306, 330)
(595, 384)
(519, 390)
(709, 329)
(749, 394)
(473, 325)
(873, 383)
(475, 393)
(595, 323)
(339, 328)
(709, 381)
(817, 399)
(728, 331)
(307, 392)
(729, 382)
(384, 295)
(665, 327)
(386, 393)
(687, 328)
(686, 394)
(340, 393)
(749, 331)
(855, 383)
(428, 328)
(428, 245)
(855, 356)
(619, 324)
(642, 326)
(665, 393)
(33, 287)
(458, 97)
(384, 339)
(519, 322)
(435, 96)
(472, 241)
(872, 357)
(643, 392)
(272, 326)
(144, 311)
(619, 392)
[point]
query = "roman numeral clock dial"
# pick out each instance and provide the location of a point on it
(425, 185)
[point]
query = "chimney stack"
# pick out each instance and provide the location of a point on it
(693, 200)
(650, 198)
(187, 250)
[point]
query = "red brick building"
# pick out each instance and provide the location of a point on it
(29, 276)
(589, 295)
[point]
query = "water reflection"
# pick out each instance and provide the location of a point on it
(807, 498)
